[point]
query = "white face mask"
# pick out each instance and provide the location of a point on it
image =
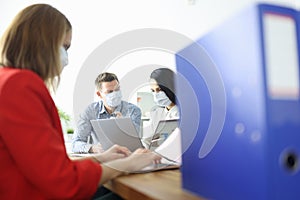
(64, 57)
(161, 99)
(113, 99)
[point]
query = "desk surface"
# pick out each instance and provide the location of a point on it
(164, 184)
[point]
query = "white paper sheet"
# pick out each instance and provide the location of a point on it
(171, 148)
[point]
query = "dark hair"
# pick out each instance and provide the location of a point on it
(165, 78)
(105, 77)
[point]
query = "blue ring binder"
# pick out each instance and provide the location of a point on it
(256, 153)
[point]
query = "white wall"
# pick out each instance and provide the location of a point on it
(95, 22)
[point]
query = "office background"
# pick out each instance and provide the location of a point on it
(95, 22)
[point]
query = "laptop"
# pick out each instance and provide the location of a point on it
(119, 131)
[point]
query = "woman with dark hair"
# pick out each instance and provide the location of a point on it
(163, 90)
(162, 84)
(162, 81)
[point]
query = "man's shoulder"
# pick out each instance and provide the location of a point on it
(94, 106)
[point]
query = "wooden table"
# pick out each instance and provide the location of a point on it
(164, 184)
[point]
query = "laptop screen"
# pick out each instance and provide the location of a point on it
(119, 131)
(163, 130)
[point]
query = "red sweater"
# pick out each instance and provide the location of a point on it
(33, 159)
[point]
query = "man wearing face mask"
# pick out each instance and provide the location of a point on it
(110, 105)
(163, 90)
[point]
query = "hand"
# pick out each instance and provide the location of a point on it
(118, 114)
(141, 158)
(97, 148)
(113, 153)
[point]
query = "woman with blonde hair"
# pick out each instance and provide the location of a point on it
(34, 163)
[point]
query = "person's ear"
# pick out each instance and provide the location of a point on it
(99, 94)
